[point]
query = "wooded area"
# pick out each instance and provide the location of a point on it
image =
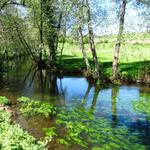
(40, 29)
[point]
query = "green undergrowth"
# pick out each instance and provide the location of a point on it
(30, 107)
(12, 136)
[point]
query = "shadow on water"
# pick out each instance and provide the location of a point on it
(113, 103)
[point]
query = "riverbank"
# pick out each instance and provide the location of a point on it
(12, 136)
(135, 72)
(134, 59)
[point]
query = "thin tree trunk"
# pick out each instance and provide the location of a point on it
(24, 42)
(41, 30)
(91, 41)
(58, 29)
(118, 43)
(63, 44)
(83, 49)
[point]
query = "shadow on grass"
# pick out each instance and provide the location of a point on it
(77, 64)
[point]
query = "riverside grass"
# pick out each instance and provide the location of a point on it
(134, 60)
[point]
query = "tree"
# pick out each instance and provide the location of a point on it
(119, 41)
(91, 41)
(80, 17)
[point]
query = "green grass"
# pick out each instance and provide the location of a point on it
(134, 54)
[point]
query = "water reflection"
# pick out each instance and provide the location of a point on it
(114, 103)
(114, 94)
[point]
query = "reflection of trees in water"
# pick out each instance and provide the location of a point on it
(86, 94)
(95, 97)
(43, 79)
(114, 94)
(142, 125)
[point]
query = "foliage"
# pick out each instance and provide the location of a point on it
(77, 126)
(4, 101)
(12, 137)
(50, 133)
(31, 107)
(143, 106)
(144, 73)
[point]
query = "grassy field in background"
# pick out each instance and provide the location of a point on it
(134, 54)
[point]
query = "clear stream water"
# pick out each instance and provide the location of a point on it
(113, 103)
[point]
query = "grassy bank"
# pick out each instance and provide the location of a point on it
(134, 56)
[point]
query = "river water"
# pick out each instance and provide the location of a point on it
(115, 104)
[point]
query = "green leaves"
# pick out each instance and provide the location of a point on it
(143, 106)
(50, 132)
(82, 129)
(4, 101)
(31, 107)
(12, 137)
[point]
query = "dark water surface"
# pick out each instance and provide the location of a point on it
(115, 104)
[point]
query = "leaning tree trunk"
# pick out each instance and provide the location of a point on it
(91, 41)
(119, 40)
(83, 50)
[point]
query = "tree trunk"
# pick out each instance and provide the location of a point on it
(83, 49)
(118, 43)
(41, 32)
(49, 11)
(91, 41)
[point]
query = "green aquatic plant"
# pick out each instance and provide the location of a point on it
(12, 137)
(4, 101)
(50, 133)
(81, 128)
(31, 107)
(142, 106)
